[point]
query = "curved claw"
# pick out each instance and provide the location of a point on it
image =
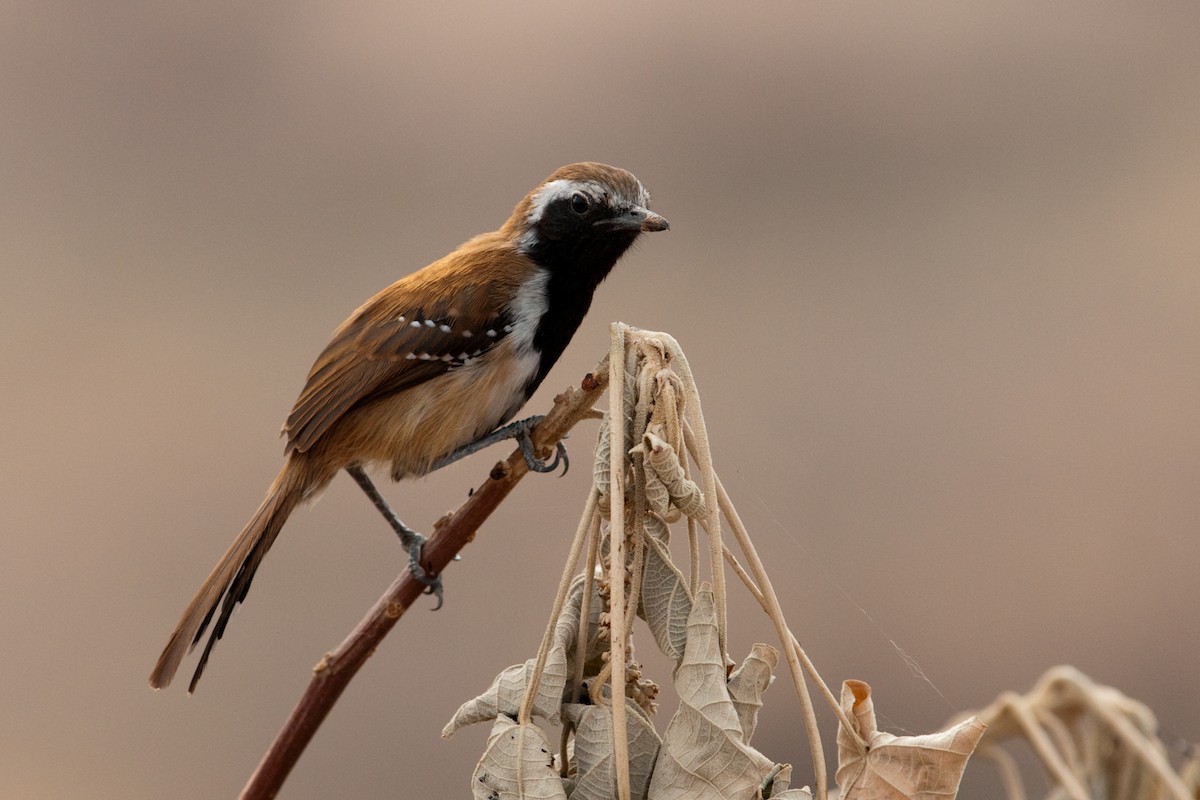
(537, 465)
(560, 454)
(432, 583)
(434, 587)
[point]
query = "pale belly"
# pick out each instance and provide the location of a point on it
(408, 432)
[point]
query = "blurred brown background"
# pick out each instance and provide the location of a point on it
(936, 266)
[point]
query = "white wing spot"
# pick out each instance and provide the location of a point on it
(400, 318)
(430, 323)
(416, 323)
(492, 333)
(410, 357)
(508, 328)
(467, 334)
(444, 328)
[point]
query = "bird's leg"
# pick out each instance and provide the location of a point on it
(412, 541)
(519, 430)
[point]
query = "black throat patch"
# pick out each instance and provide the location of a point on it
(577, 265)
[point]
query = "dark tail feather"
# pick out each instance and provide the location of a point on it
(227, 584)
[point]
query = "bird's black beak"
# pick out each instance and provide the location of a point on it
(636, 218)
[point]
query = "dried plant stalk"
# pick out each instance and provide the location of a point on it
(616, 557)
(1086, 736)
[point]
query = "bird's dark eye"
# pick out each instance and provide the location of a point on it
(580, 203)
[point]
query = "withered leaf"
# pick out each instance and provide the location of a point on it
(507, 691)
(665, 601)
(517, 763)
(595, 778)
(926, 767)
(704, 755)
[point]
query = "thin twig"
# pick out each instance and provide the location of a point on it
(583, 639)
(809, 667)
(583, 644)
(335, 671)
(708, 477)
(525, 715)
(616, 559)
(1133, 739)
(791, 653)
(1010, 775)
(693, 534)
(1044, 748)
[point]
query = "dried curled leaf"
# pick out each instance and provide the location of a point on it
(517, 763)
(747, 684)
(777, 785)
(505, 694)
(927, 767)
(662, 462)
(705, 754)
(595, 778)
(503, 697)
(669, 404)
(665, 600)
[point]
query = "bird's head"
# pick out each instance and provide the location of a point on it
(583, 218)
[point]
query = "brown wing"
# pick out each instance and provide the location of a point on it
(396, 340)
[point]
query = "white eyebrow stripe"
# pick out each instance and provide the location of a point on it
(556, 190)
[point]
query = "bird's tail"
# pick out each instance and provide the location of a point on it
(230, 579)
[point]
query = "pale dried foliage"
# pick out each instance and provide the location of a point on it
(893, 767)
(1092, 740)
(644, 483)
(1095, 743)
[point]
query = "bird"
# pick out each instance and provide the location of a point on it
(430, 368)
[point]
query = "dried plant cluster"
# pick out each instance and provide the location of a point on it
(1092, 740)
(643, 484)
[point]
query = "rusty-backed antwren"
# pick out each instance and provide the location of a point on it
(428, 369)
